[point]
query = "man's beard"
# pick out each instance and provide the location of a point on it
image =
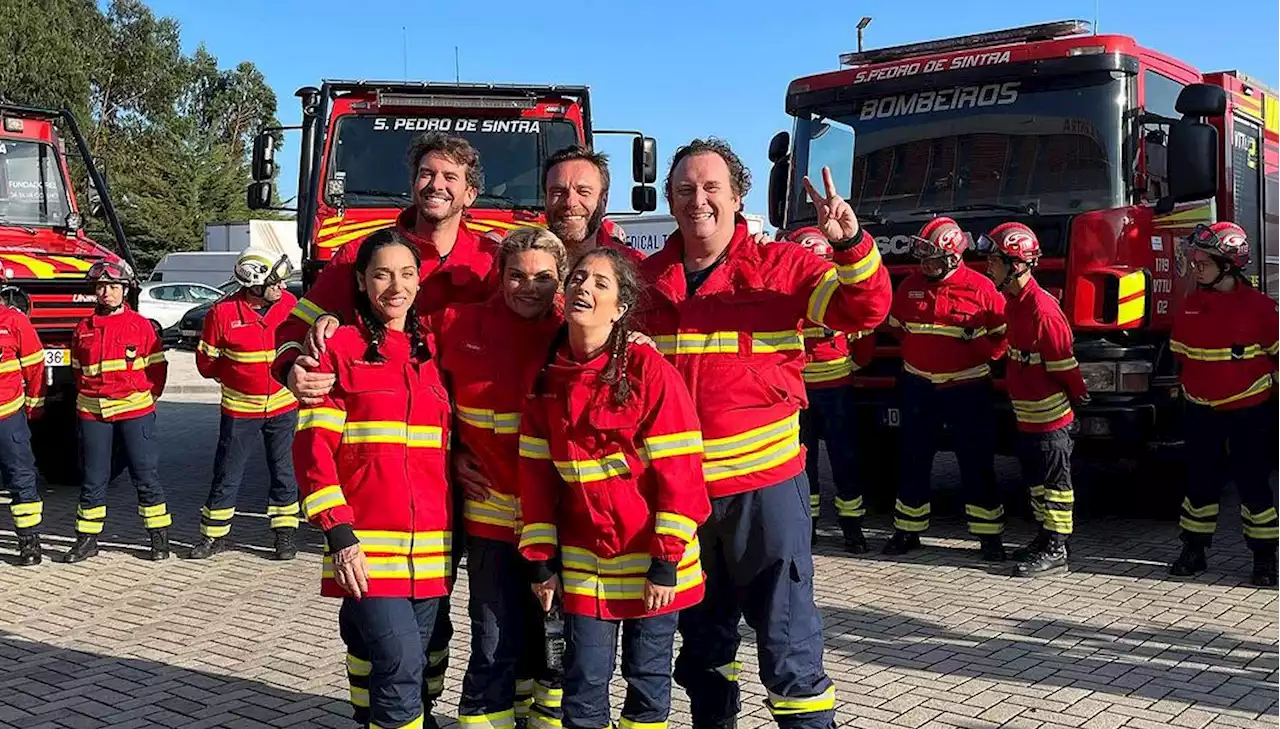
(594, 221)
(427, 214)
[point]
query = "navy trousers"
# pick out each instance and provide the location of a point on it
(236, 441)
(756, 553)
(18, 466)
(830, 418)
(141, 451)
(385, 638)
(1240, 444)
(647, 646)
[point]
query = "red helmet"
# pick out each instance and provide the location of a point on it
(1013, 241)
(811, 239)
(939, 237)
(1224, 240)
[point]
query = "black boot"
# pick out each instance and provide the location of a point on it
(159, 545)
(1050, 560)
(854, 541)
(207, 547)
(1264, 567)
(1035, 546)
(901, 542)
(86, 546)
(29, 550)
(1190, 562)
(992, 548)
(285, 547)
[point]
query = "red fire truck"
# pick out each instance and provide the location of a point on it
(354, 177)
(45, 256)
(1111, 151)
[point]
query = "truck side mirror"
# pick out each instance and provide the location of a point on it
(258, 196)
(644, 198)
(264, 157)
(779, 146)
(1201, 100)
(644, 160)
(777, 203)
(1193, 148)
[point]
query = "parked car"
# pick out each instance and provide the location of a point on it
(186, 333)
(165, 303)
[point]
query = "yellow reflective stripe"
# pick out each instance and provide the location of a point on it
(673, 444)
(155, 358)
(322, 500)
(787, 706)
(546, 696)
(1257, 532)
(307, 311)
(497, 720)
(1026, 358)
(14, 405)
(625, 723)
(733, 445)
(979, 512)
(325, 418)
(1042, 411)
(109, 408)
(218, 514)
(11, 365)
(623, 588)
(1203, 512)
(1262, 384)
(33, 358)
(815, 372)
(860, 270)
(1273, 349)
(633, 564)
(502, 423)
(675, 525)
(1056, 496)
(94, 512)
(35, 402)
(110, 365)
(939, 378)
(730, 671)
(415, 724)
(818, 333)
(1260, 518)
(392, 432)
(1061, 365)
(243, 403)
(697, 343)
(248, 357)
(535, 448)
(984, 528)
(1222, 354)
(943, 330)
(913, 511)
(399, 567)
(283, 510)
(1198, 527)
(821, 296)
(538, 533)
(761, 460)
(500, 510)
(155, 510)
(406, 543)
(850, 507)
(767, 342)
(358, 666)
(208, 349)
(28, 508)
(997, 331)
(590, 470)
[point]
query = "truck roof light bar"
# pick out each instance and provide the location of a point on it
(455, 101)
(1023, 34)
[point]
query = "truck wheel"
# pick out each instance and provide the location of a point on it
(56, 444)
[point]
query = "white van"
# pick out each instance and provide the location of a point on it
(212, 268)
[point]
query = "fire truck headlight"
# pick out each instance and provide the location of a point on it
(1134, 377)
(1099, 376)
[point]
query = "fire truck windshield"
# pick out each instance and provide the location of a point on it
(370, 153)
(1051, 145)
(31, 189)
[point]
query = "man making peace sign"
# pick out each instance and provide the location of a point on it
(728, 313)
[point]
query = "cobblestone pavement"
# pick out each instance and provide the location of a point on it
(932, 640)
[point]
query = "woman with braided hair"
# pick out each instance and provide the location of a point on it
(612, 494)
(371, 465)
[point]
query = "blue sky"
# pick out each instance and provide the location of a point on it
(675, 70)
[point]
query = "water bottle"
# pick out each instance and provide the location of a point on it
(553, 638)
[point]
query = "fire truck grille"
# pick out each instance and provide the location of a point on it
(56, 308)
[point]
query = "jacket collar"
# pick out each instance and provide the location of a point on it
(739, 269)
(463, 260)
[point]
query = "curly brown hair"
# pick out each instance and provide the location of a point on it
(739, 175)
(457, 149)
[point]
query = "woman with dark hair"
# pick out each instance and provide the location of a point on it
(371, 464)
(612, 495)
(489, 353)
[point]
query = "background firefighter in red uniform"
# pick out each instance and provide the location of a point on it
(121, 370)
(950, 319)
(236, 349)
(22, 389)
(611, 484)
(457, 267)
(828, 381)
(372, 467)
(1225, 339)
(728, 313)
(489, 353)
(1043, 380)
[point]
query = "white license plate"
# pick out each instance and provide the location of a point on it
(57, 358)
(891, 417)
(189, 333)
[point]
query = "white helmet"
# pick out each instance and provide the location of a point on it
(260, 267)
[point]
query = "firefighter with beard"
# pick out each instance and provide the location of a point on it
(1225, 340)
(828, 372)
(950, 320)
(236, 349)
(457, 266)
(1043, 381)
(121, 371)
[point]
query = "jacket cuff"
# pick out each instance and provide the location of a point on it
(340, 537)
(662, 573)
(539, 571)
(855, 239)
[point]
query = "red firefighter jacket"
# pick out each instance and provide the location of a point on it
(120, 366)
(236, 349)
(738, 344)
(1043, 377)
(21, 364)
(832, 357)
(1226, 344)
(371, 465)
(465, 275)
(618, 491)
(489, 356)
(950, 329)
